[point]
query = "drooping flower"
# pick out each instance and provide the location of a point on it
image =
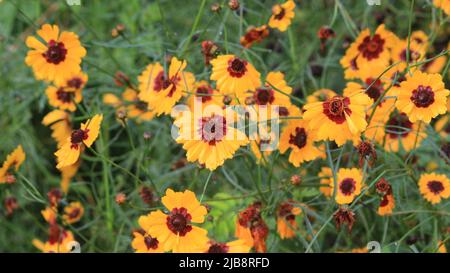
(73, 212)
(422, 97)
(144, 243)
(434, 187)
(233, 75)
(11, 165)
(286, 223)
(174, 231)
(251, 227)
(339, 118)
(254, 35)
(163, 89)
(344, 216)
(387, 205)
(69, 153)
(282, 15)
(349, 184)
(58, 57)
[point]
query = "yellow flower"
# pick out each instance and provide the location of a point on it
(64, 98)
(234, 75)
(60, 124)
(174, 231)
(60, 241)
(236, 246)
(69, 153)
(11, 165)
(369, 55)
(349, 185)
(399, 130)
(73, 212)
(326, 179)
(422, 97)
(205, 95)
(300, 140)
(434, 187)
(67, 173)
(399, 54)
(282, 15)
(144, 243)
(443, 4)
(340, 118)
(75, 81)
(210, 139)
(137, 108)
(58, 57)
(163, 90)
(50, 214)
(387, 205)
(286, 215)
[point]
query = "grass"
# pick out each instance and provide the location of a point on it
(123, 159)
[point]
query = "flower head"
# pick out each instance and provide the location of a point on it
(282, 15)
(286, 223)
(11, 165)
(73, 212)
(434, 187)
(349, 184)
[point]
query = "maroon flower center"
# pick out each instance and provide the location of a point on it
(375, 90)
(423, 96)
(56, 52)
(213, 129)
(385, 201)
(74, 213)
(75, 83)
(299, 138)
(280, 15)
(78, 136)
(347, 186)
(263, 96)
(413, 55)
(285, 210)
(179, 221)
(283, 111)
(162, 83)
(371, 47)
(237, 67)
(150, 242)
(398, 125)
(353, 64)
(336, 107)
(203, 92)
(218, 248)
(65, 97)
(435, 187)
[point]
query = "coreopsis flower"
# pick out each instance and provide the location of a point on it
(443, 4)
(300, 140)
(366, 151)
(11, 165)
(422, 97)
(344, 216)
(60, 124)
(339, 118)
(209, 50)
(399, 55)
(59, 241)
(433, 66)
(400, 132)
(144, 243)
(233, 75)
(64, 98)
(74, 81)
(205, 95)
(10, 205)
(210, 140)
(58, 57)
(383, 187)
(325, 33)
(326, 181)
(163, 89)
(370, 54)
(67, 174)
(442, 126)
(251, 227)
(320, 95)
(73, 212)
(134, 107)
(434, 187)
(69, 152)
(282, 15)
(236, 246)
(174, 231)
(387, 205)
(349, 184)
(254, 35)
(286, 215)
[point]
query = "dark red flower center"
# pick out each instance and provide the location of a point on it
(75, 83)
(263, 96)
(376, 89)
(162, 83)
(423, 96)
(283, 111)
(64, 96)
(353, 64)
(218, 248)
(398, 125)
(336, 108)
(371, 47)
(150, 242)
(78, 136)
(179, 221)
(435, 187)
(413, 55)
(347, 186)
(56, 52)
(280, 15)
(385, 201)
(203, 92)
(285, 210)
(299, 138)
(74, 213)
(237, 67)
(213, 129)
